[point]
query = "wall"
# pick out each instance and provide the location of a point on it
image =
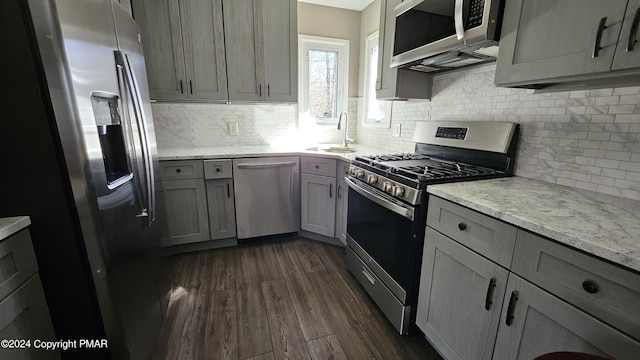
(588, 139)
(336, 23)
(369, 23)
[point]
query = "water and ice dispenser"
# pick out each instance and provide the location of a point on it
(112, 139)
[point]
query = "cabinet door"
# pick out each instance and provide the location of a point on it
(222, 211)
(392, 83)
(341, 211)
(186, 202)
(242, 24)
(460, 298)
(540, 323)
(280, 33)
(24, 315)
(204, 49)
(159, 23)
(318, 204)
(628, 51)
(546, 39)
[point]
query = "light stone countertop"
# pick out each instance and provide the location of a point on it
(603, 225)
(229, 152)
(11, 225)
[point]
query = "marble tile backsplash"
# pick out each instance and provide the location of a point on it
(588, 139)
(189, 124)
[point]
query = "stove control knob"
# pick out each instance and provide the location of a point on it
(372, 179)
(359, 173)
(398, 191)
(387, 187)
(352, 171)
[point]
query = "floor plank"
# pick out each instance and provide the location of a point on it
(327, 347)
(276, 299)
(254, 337)
(286, 335)
(306, 303)
(222, 327)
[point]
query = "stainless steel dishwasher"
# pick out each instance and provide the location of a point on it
(267, 196)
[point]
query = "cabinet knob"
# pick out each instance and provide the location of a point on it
(462, 226)
(590, 286)
(218, 170)
(317, 166)
(178, 170)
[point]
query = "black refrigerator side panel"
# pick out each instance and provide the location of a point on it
(34, 182)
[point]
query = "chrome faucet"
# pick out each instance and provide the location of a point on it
(346, 140)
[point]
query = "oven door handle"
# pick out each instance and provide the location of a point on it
(400, 210)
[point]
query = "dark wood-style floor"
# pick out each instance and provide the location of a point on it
(278, 299)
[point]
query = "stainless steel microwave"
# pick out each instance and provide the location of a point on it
(434, 35)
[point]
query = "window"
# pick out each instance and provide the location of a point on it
(324, 74)
(376, 113)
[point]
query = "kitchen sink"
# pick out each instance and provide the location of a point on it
(333, 149)
(339, 149)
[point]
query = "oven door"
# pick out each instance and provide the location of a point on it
(386, 234)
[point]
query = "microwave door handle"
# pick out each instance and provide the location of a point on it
(457, 16)
(123, 61)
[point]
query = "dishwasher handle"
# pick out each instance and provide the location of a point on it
(267, 165)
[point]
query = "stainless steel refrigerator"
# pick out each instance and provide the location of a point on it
(78, 155)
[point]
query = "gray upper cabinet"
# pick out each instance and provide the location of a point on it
(391, 83)
(159, 23)
(628, 51)
(184, 48)
(261, 47)
(544, 42)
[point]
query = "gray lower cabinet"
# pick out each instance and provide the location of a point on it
(261, 49)
(545, 42)
(24, 314)
(460, 298)
(342, 204)
(535, 322)
(184, 48)
(393, 83)
(222, 210)
(185, 200)
(539, 298)
(318, 204)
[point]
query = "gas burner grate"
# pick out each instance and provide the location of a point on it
(442, 170)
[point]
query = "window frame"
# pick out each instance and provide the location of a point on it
(341, 46)
(371, 40)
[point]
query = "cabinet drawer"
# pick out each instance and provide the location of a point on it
(181, 169)
(17, 262)
(603, 290)
(319, 166)
(487, 236)
(217, 169)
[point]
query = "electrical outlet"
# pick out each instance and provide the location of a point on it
(396, 130)
(233, 129)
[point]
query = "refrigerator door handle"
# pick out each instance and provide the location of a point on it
(122, 60)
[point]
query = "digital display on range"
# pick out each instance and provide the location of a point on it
(451, 133)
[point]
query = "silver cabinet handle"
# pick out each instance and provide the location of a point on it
(633, 34)
(596, 44)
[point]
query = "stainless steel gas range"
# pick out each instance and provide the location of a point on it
(388, 204)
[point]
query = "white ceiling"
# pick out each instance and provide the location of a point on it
(357, 5)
